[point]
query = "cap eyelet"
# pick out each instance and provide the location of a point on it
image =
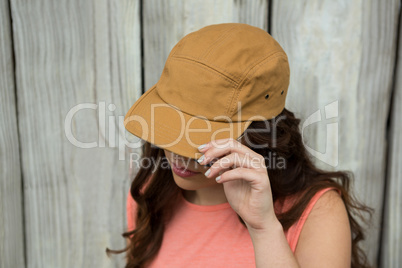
(267, 96)
(282, 92)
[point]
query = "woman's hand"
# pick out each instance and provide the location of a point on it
(245, 181)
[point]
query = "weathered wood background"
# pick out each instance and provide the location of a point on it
(70, 70)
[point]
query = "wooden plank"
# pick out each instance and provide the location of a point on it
(165, 23)
(391, 247)
(70, 53)
(11, 210)
(343, 51)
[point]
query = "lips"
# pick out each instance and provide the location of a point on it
(183, 168)
(183, 172)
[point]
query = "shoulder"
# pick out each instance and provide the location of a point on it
(325, 202)
(130, 202)
(131, 211)
(325, 239)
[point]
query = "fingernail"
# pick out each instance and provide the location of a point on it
(202, 146)
(218, 178)
(201, 158)
(207, 173)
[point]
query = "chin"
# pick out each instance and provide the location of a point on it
(193, 183)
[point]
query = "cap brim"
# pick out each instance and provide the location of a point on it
(166, 126)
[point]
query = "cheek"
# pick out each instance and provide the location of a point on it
(169, 158)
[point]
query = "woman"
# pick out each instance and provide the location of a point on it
(254, 197)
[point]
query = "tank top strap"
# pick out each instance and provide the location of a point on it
(294, 231)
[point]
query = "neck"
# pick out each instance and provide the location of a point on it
(213, 195)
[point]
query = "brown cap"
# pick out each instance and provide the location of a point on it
(215, 82)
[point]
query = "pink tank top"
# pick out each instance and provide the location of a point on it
(213, 236)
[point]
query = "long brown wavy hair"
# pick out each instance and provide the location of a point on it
(301, 177)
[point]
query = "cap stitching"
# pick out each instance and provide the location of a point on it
(232, 108)
(253, 69)
(209, 69)
(173, 106)
(264, 61)
(205, 116)
(250, 65)
(228, 34)
(143, 97)
(206, 67)
(246, 69)
(224, 72)
(229, 101)
(170, 128)
(222, 37)
(185, 38)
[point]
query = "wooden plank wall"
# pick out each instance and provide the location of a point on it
(71, 53)
(342, 57)
(11, 210)
(344, 51)
(391, 246)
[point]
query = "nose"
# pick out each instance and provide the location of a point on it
(182, 160)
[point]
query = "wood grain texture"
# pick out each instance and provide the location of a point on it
(70, 53)
(343, 51)
(166, 22)
(11, 210)
(391, 247)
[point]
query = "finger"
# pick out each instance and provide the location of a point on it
(234, 161)
(215, 143)
(249, 175)
(223, 164)
(224, 147)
